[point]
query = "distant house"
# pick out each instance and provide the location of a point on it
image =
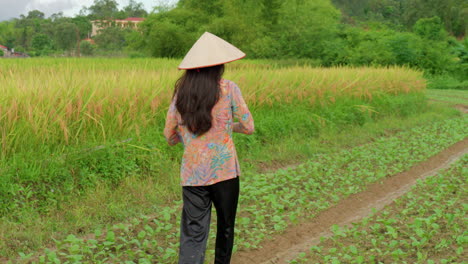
(5, 50)
(10, 53)
(131, 22)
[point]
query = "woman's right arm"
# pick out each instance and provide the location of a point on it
(241, 112)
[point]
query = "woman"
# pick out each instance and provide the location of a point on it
(201, 117)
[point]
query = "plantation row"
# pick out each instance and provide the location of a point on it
(426, 225)
(452, 96)
(269, 202)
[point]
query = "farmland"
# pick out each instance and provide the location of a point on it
(270, 202)
(427, 225)
(83, 159)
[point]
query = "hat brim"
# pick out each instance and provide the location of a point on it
(191, 68)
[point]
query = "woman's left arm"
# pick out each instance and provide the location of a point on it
(170, 130)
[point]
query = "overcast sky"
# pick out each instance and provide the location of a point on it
(14, 8)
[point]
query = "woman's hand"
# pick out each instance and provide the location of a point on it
(239, 128)
(174, 139)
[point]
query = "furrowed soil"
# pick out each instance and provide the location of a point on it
(299, 238)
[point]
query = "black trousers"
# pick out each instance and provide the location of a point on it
(196, 216)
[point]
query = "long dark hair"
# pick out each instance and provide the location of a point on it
(197, 92)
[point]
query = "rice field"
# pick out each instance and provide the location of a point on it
(82, 146)
(72, 101)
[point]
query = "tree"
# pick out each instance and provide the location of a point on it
(405, 13)
(111, 38)
(35, 14)
(103, 9)
(7, 33)
(304, 26)
(41, 42)
(134, 9)
(86, 48)
(83, 25)
(209, 7)
(270, 12)
(430, 28)
(66, 35)
(169, 40)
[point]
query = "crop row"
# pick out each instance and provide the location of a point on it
(452, 96)
(268, 202)
(451, 93)
(426, 225)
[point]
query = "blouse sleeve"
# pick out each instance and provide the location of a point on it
(170, 130)
(241, 112)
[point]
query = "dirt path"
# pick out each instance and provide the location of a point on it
(299, 238)
(461, 107)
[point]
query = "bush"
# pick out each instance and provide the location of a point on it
(87, 48)
(111, 38)
(169, 40)
(430, 28)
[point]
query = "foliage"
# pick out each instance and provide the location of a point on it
(66, 35)
(404, 14)
(309, 30)
(426, 225)
(86, 48)
(111, 38)
(103, 9)
(294, 29)
(134, 9)
(446, 82)
(63, 33)
(83, 25)
(42, 44)
(273, 201)
(430, 28)
(104, 103)
(162, 38)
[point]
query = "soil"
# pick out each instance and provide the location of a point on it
(299, 238)
(462, 108)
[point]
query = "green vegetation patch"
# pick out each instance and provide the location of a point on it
(426, 225)
(269, 202)
(449, 96)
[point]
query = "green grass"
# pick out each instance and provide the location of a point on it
(447, 82)
(270, 202)
(91, 154)
(426, 225)
(28, 228)
(449, 96)
(69, 126)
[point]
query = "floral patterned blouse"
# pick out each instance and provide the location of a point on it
(212, 157)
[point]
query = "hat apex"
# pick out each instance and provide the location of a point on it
(210, 50)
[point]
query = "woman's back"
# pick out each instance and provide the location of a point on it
(212, 157)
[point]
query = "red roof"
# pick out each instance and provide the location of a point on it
(3, 47)
(134, 19)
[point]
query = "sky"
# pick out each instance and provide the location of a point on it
(14, 8)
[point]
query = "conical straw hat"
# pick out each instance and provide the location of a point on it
(210, 50)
